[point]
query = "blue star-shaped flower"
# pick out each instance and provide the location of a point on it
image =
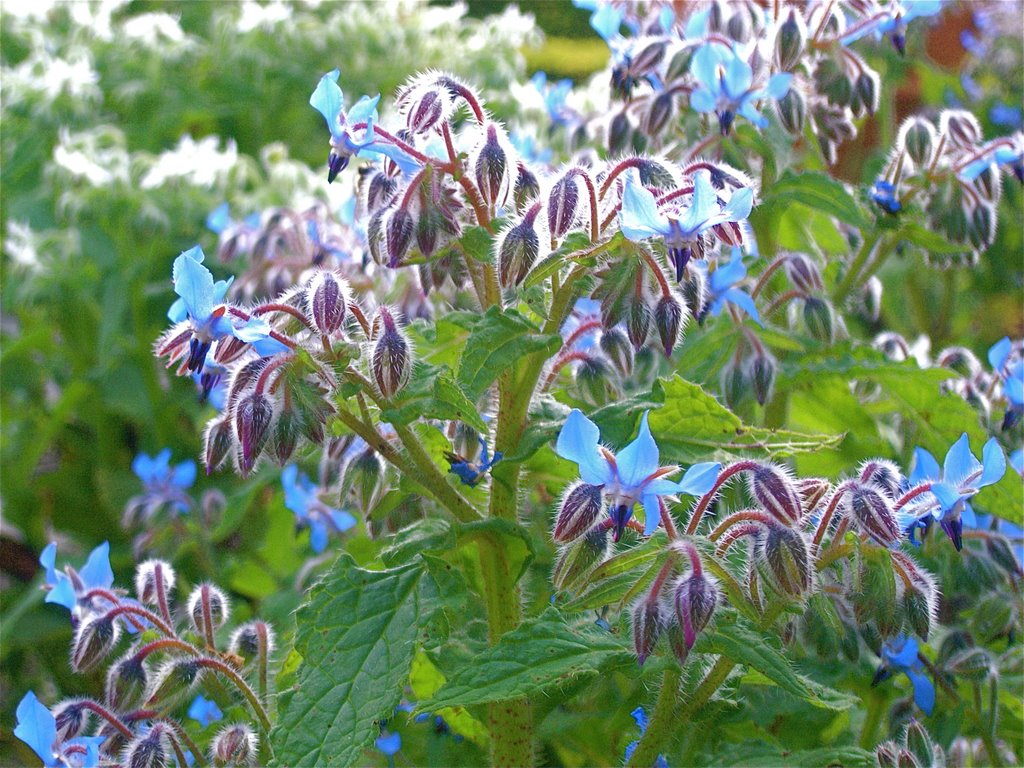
(37, 728)
(883, 194)
(640, 218)
(300, 496)
(633, 475)
(471, 472)
(640, 717)
(67, 587)
(1011, 371)
(204, 711)
(726, 85)
(160, 477)
(900, 654)
(722, 287)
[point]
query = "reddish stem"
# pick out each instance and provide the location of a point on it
(137, 610)
(659, 275)
(912, 494)
(826, 518)
(745, 515)
(723, 477)
(277, 307)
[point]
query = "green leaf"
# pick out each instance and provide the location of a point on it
(477, 243)
(753, 650)
(930, 240)
(498, 340)
(576, 244)
(760, 756)
(515, 540)
(433, 393)
(356, 634)
(540, 654)
(818, 191)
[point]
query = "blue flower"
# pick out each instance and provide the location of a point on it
(212, 381)
(300, 496)
(1011, 371)
(960, 478)
(726, 85)
(640, 218)
(641, 722)
(633, 475)
(389, 743)
(346, 139)
(37, 728)
(204, 711)
(555, 95)
(160, 477)
(471, 472)
(722, 287)
(996, 154)
(219, 220)
(883, 193)
(70, 586)
(605, 19)
(893, 20)
(201, 302)
(900, 654)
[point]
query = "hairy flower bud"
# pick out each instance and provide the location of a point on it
(775, 492)
(218, 441)
(380, 191)
(425, 108)
(885, 754)
(638, 321)
(518, 250)
(617, 348)
(917, 609)
(761, 372)
(906, 759)
(70, 718)
(595, 380)
(150, 751)
(981, 227)
(95, 639)
(391, 362)
(973, 664)
(398, 233)
(247, 639)
(920, 744)
(668, 319)
(647, 627)
(865, 93)
(785, 553)
(792, 111)
(253, 416)
(659, 113)
(789, 43)
(803, 273)
(917, 137)
(620, 134)
(578, 559)
(873, 515)
(208, 608)
(563, 203)
(151, 578)
(580, 508)
(812, 490)
(492, 168)
(327, 299)
(961, 128)
(831, 80)
(526, 187)
(819, 319)
(235, 745)
(695, 597)
(127, 682)
(173, 682)
(734, 383)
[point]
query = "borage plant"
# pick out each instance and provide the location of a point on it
(435, 347)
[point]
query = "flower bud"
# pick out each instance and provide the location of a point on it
(326, 299)
(917, 137)
(998, 548)
(873, 515)
(391, 362)
(819, 319)
(127, 681)
(775, 493)
(95, 639)
(578, 559)
(792, 111)
(906, 759)
(668, 319)
(695, 597)
(659, 113)
(148, 576)
(638, 321)
(364, 476)
(426, 107)
(620, 134)
(885, 754)
(784, 552)
(812, 490)
(734, 383)
(803, 273)
(398, 233)
(285, 435)
(526, 188)
(380, 191)
(247, 639)
(679, 64)
(988, 184)
(518, 251)
(981, 227)
(253, 416)
(695, 293)
(492, 168)
(218, 441)
(831, 80)
(920, 744)
(617, 348)
(70, 718)
(647, 627)
(761, 372)
(961, 128)
(738, 27)
(150, 751)
(580, 508)
(235, 745)
(789, 43)
(973, 664)
(871, 298)
(173, 682)
(595, 379)
(865, 93)
(917, 609)
(563, 202)
(207, 605)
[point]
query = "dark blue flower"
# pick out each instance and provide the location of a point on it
(883, 193)
(471, 472)
(37, 728)
(641, 722)
(389, 743)
(900, 654)
(302, 498)
(204, 711)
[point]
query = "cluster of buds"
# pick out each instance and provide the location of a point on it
(171, 656)
(916, 749)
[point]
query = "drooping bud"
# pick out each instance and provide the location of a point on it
(218, 440)
(127, 681)
(785, 553)
(961, 128)
(981, 226)
(761, 372)
(617, 348)
(792, 111)
(918, 611)
(734, 383)
(668, 319)
(695, 293)
(70, 718)
(659, 113)
(695, 597)
(974, 664)
(595, 380)
(327, 300)
(576, 560)
(580, 508)
(492, 176)
(426, 107)
(819, 319)
(380, 190)
(207, 608)
(803, 273)
(638, 321)
(647, 627)
(775, 493)
(812, 490)
(873, 515)
(150, 575)
(526, 188)
(95, 639)
(398, 233)
(871, 298)
(789, 43)
(885, 754)
(620, 134)
(920, 744)
(865, 93)
(563, 203)
(174, 681)
(286, 433)
(999, 549)
(917, 136)
(235, 745)
(246, 640)
(364, 476)
(150, 751)
(518, 250)
(253, 416)
(391, 362)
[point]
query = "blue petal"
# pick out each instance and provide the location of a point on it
(578, 442)
(703, 100)
(143, 467)
(317, 535)
(295, 496)
(220, 289)
(48, 559)
(342, 520)
(901, 652)
(640, 717)
(269, 347)
(925, 467)
(703, 205)
(606, 21)
(178, 311)
(408, 164)
(194, 284)
(699, 479)
(389, 744)
(924, 691)
(92, 749)
(639, 217)
(363, 111)
(947, 494)
(638, 460)
(1017, 460)
(652, 513)
(253, 329)
(184, 474)
(37, 728)
(327, 99)
(705, 63)
(96, 572)
(1014, 385)
(727, 275)
(204, 711)
(967, 516)
(744, 302)
(999, 352)
(739, 205)
(62, 593)
(697, 25)
(917, 8)
(779, 85)
(959, 462)
(738, 77)
(994, 462)
(219, 218)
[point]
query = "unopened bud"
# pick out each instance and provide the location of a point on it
(734, 383)
(150, 751)
(792, 111)
(127, 681)
(518, 251)
(217, 443)
(235, 745)
(906, 759)
(871, 298)
(617, 348)
(785, 553)
(974, 664)
(152, 577)
(70, 718)
(398, 234)
(207, 608)
(761, 371)
(526, 188)
(738, 27)
(620, 134)
(638, 321)
(327, 299)
(917, 609)
(580, 508)
(832, 81)
(803, 273)
(286, 433)
(668, 319)
(873, 515)
(917, 136)
(775, 493)
(819, 319)
(247, 639)
(999, 549)
(865, 93)
(95, 639)
(695, 293)
(659, 113)
(812, 490)
(919, 742)
(380, 190)
(595, 379)
(253, 416)
(426, 108)
(578, 559)
(789, 43)
(647, 626)
(391, 363)
(981, 226)
(173, 682)
(885, 754)
(961, 128)
(365, 475)
(563, 202)
(695, 597)
(492, 177)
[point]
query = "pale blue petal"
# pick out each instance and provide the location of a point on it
(639, 217)
(92, 748)
(999, 352)
(705, 63)
(48, 559)
(924, 690)
(1017, 460)
(925, 467)
(974, 169)
(947, 494)
(389, 744)
(727, 275)
(220, 289)
(652, 513)
(363, 111)
(960, 462)
(295, 498)
(703, 205)
(253, 329)
(317, 535)
(194, 284)
(1014, 386)
(606, 21)
(739, 205)
(699, 479)
(342, 520)
(37, 728)
(184, 474)
(578, 443)
(742, 300)
(408, 164)
(638, 460)
(779, 85)
(994, 462)
(697, 25)
(219, 218)
(967, 516)
(97, 572)
(918, 8)
(738, 77)
(144, 467)
(178, 311)
(327, 99)
(62, 593)
(703, 100)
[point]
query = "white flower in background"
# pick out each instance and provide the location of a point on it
(155, 30)
(201, 163)
(255, 15)
(96, 156)
(48, 76)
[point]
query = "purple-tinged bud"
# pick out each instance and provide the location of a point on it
(775, 492)
(920, 744)
(235, 745)
(988, 184)
(173, 682)
(695, 597)
(885, 754)
(426, 109)
(618, 349)
(152, 577)
(217, 443)
(380, 191)
(648, 58)
(391, 362)
(492, 168)
(803, 273)
(885, 475)
(563, 202)
(518, 251)
(873, 515)
(595, 380)
(819, 319)
(917, 137)
(375, 234)
(526, 188)
(327, 300)
(95, 639)
(788, 560)
(790, 41)
(761, 372)
(580, 509)
(207, 605)
(578, 559)
(792, 111)
(285, 435)
(647, 627)
(695, 293)
(638, 321)
(127, 682)
(246, 640)
(620, 134)
(335, 164)
(253, 416)
(812, 490)
(659, 113)
(70, 718)
(738, 27)
(150, 751)
(865, 92)
(398, 234)
(961, 128)
(668, 319)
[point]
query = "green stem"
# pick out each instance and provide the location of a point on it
(850, 281)
(876, 707)
(662, 721)
(995, 758)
